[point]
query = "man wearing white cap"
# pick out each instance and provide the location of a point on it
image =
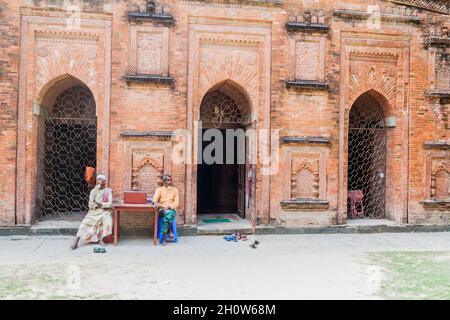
(97, 224)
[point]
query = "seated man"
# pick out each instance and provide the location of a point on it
(166, 198)
(97, 224)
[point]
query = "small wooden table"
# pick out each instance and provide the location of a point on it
(120, 207)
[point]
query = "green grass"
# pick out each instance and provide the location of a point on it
(414, 275)
(41, 281)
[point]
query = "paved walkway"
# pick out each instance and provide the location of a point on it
(334, 266)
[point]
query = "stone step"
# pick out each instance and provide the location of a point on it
(70, 228)
(235, 224)
(55, 227)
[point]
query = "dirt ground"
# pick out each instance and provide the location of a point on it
(359, 266)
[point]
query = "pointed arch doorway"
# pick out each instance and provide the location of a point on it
(223, 148)
(67, 143)
(367, 149)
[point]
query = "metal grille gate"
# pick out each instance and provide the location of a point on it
(219, 109)
(367, 158)
(69, 144)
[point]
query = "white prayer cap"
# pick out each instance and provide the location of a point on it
(101, 177)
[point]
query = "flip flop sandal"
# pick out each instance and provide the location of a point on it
(253, 246)
(230, 238)
(244, 237)
(102, 250)
(257, 242)
(96, 250)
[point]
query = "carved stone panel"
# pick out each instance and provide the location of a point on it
(307, 60)
(147, 168)
(375, 70)
(307, 57)
(443, 72)
(305, 174)
(149, 50)
(304, 179)
(440, 177)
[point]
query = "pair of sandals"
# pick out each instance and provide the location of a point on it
(236, 237)
(231, 238)
(99, 250)
(170, 237)
(254, 244)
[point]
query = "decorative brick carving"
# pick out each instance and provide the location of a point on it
(307, 60)
(222, 57)
(443, 72)
(147, 167)
(441, 6)
(437, 192)
(438, 34)
(373, 70)
(351, 12)
(440, 181)
(63, 52)
(239, 4)
(149, 47)
(308, 21)
(437, 176)
(150, 11)
(76, 6)
(147, 157)
(305, 179)
(305, 174)
(307, 57)
(149, 51)
(439, 72)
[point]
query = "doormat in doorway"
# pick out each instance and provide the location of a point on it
(216, 220)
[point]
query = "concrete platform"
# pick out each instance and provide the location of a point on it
(359, 226)
(371, 222)
(55, 227)
(236, 224)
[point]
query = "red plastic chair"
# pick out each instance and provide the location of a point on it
(356, 199)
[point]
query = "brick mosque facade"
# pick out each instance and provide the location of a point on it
(298, 68)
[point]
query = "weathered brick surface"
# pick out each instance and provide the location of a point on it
(156, 107)
(9, 70)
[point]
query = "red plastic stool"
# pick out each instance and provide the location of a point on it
(356, 199)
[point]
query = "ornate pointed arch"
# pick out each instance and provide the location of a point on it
(378, 77)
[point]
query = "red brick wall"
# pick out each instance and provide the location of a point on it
(9, 70)
(295, 113)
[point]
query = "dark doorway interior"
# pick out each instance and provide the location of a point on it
(367, 157)
(69, 144)
(221, 185)
(217, 184)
